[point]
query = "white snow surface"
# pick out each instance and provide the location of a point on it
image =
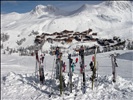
(18, 80)
(107, 19)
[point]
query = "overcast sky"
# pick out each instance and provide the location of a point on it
(26, 6)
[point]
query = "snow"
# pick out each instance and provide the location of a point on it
(18, 78)
(101, 18)
(108, 19)
(40, 10)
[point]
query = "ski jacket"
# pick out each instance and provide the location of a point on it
(76, 60)
(64, 65)
(73, 65)
(57, 53)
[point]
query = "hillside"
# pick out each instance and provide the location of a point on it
(29, 40)
(108, 19)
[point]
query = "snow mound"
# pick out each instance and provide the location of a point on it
(24, 86)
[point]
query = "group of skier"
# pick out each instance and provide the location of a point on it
(81, 53)
(40, 60)
(60, 67)
(58, 54)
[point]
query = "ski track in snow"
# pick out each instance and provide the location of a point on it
(18, 81)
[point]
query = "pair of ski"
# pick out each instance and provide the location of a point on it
(39, 68)
(114, 65)
(39, 64)
(70, 71)
(58, 74)
(59, 64)
(83, 71)
(94, 70)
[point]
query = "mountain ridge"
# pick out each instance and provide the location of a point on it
(49, 19)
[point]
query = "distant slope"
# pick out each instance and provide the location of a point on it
(107, 19)
(126, 56)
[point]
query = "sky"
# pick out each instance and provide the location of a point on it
(26, 6)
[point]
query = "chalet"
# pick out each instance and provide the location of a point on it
(77, 38)
(59, 36)
(65, 35)
(55, 33)
(89, 30)
(66, 32)
(88, 37)
(69, 40)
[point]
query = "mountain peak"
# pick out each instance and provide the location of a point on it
(121, 5)
(84, 7)
(41, 9)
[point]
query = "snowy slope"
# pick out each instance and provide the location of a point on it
(18, 81)
(107, 19)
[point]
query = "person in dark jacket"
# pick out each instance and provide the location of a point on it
(57, 52)
(91, 66)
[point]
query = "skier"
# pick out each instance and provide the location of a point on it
(64, 67)
(57, 52)
(72, 66)
(42, 57)
(92, 69)
(76, 60)
(91, 66)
